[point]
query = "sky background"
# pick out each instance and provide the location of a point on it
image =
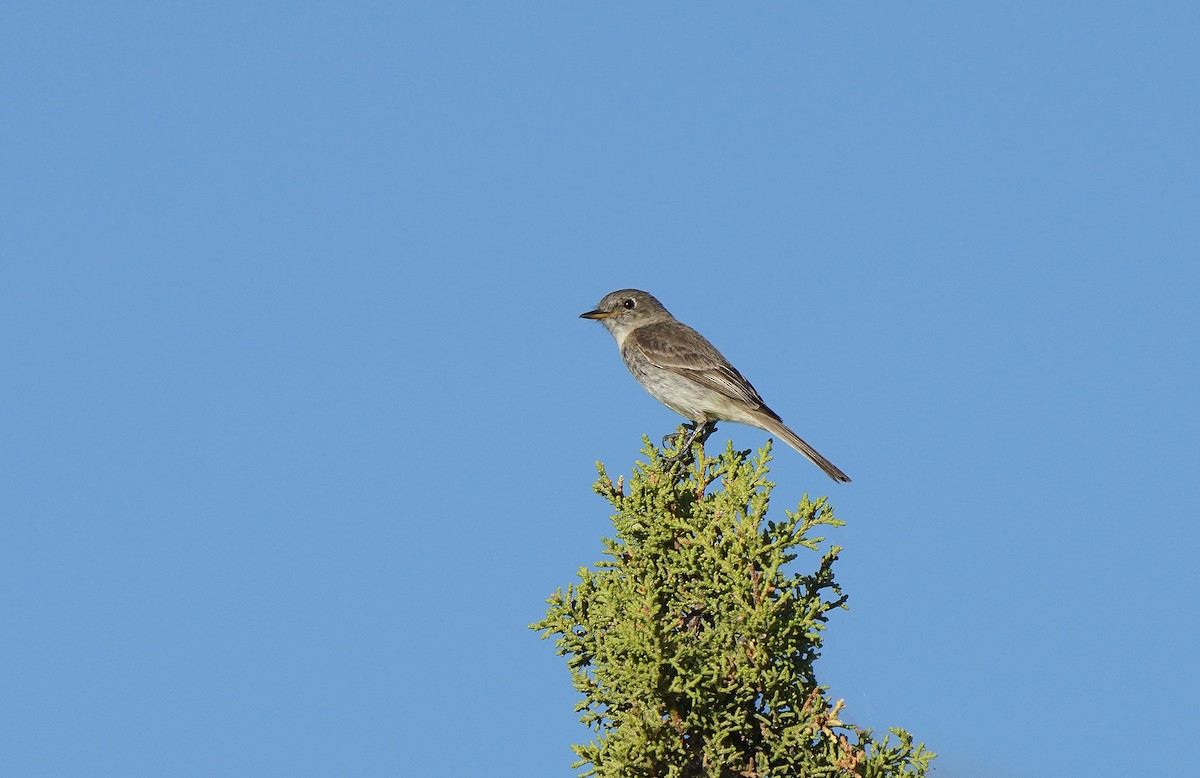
(300, 424)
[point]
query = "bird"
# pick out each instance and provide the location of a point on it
(686, 373)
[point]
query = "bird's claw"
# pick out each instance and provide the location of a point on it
(684, 440)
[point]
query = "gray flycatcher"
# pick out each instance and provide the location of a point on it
(686, 373)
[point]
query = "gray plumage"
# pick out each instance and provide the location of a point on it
(686, 373)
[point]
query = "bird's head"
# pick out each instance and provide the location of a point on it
(627, 309)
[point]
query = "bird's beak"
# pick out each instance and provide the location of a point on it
(596, 314)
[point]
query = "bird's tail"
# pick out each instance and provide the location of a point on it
(777, 427)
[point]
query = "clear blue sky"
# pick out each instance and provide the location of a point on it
(299, 423)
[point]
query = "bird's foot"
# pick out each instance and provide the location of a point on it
(696, 432)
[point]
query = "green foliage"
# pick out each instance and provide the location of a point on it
(693, 640)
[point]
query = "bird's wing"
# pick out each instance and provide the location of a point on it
(679, 348)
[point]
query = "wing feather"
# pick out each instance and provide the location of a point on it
(679, 348)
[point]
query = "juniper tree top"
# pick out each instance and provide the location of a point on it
(693, 640)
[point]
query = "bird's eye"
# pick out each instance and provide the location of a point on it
(630, 304)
